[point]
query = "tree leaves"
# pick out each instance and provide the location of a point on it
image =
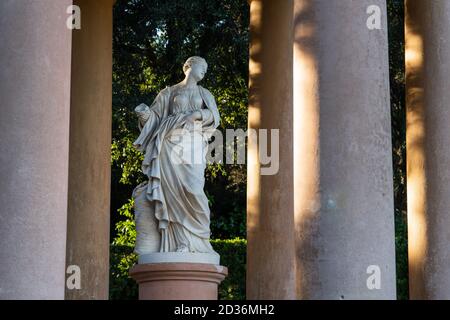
(152, 40)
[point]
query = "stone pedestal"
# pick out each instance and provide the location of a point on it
(178, 281)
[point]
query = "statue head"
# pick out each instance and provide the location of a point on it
(196, 67)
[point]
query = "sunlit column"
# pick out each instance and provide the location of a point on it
(35, 60)
(343, 178)
(428, 153)
(270, 222)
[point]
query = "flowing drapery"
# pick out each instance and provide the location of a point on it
(175, 185)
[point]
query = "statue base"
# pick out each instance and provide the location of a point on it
(178, 281)
(179, 257)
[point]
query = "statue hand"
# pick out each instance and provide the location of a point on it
(142, 111)
(194, 116)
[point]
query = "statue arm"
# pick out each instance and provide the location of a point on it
(150, 118)
(207, 117)
(143, 113)
(212, 111)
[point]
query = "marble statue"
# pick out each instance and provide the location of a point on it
(171, 208)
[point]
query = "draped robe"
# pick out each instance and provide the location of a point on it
(174, 191)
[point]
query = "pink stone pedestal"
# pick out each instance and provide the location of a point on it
(178, 281)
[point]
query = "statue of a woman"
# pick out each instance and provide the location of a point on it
(172, 213)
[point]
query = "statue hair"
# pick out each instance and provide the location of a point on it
(193, 60)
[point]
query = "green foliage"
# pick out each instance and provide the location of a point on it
(128, 158)
(401, 245)
(126, 229)
(232, 253)
(398, 115)
(121, 286)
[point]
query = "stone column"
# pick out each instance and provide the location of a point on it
(90, 144)
(344, 208)
(270, 220)
(323, 226)
(428, 154)
(35, 59)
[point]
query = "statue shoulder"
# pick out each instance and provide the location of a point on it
(207, 93)
(166, 91)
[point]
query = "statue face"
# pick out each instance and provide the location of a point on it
(198, 71)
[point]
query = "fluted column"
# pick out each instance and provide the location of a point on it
(35, 59)
(428, 153)
(344, 208)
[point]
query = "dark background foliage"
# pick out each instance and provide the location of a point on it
(398, 114)
(152, 39)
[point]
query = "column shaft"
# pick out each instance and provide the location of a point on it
(90, 145)
(270, 232)
(344, 208)
(34, 147)
(428, 155)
